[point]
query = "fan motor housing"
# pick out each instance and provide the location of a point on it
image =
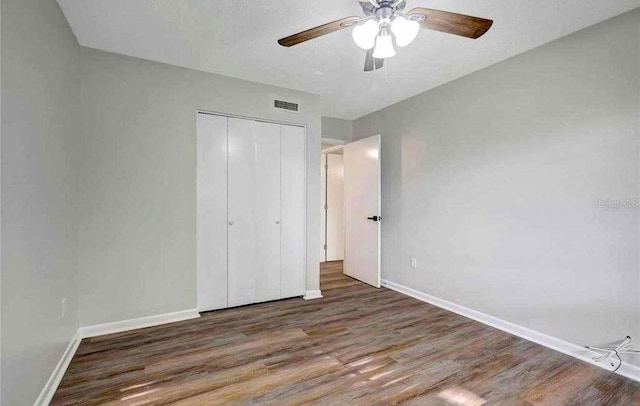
(370, 9)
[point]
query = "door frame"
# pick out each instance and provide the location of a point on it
(336, 145)
(306, 185)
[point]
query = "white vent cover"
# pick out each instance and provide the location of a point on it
(289, 106)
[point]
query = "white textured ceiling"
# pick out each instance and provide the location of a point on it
(238, 38)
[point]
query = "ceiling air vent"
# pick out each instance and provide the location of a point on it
(290, 106)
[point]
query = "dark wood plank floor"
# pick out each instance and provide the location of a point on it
(356, 346)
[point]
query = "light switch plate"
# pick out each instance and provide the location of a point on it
(414, 263)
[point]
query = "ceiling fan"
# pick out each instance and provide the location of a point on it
(385, 20)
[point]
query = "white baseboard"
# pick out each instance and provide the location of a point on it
(134, 324)
(102, 329)
(574, 350)
(312, 294)
(58, 372)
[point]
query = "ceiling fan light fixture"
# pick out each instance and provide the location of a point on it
(384, 45)
(405, 30)
(385, 19)
(364, 35)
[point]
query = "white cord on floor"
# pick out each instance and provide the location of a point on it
(612, 354)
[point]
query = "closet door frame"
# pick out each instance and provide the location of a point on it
(303, 288)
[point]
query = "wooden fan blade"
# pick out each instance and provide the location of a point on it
(316, 32)
(372, 64)
(452, 23)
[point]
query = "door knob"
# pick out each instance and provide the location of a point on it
(231, 223)
(374, 218)
(277, 221)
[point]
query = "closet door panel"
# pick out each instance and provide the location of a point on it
(293, 209)
(242, 249)
(211, 231)
(267, 207)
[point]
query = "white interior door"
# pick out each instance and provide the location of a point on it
(335, 207)
(267, 210)
(211, 199)
(293, 211)
(362, 210)
(242, 197)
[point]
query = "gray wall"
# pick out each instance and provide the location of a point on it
(491, 181)
(138, 180)
(40, 94)
(98, 186)
(337, 128)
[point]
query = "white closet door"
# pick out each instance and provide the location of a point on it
(211, 258)
(293, 209)
(242, 249)
(267, 209)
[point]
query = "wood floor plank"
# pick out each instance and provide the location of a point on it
(356, 346)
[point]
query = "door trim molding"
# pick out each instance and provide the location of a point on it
(333, 141)
(334, 148)
(627, 370)
(312, 294)
(265, 120)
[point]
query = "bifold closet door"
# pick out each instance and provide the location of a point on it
(293, 209)
(267, 207)
(251, 216)
(211, 259)
(254, 212)
(242, 243)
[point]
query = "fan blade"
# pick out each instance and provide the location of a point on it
(452, 23)
(372, 64)
(316, 32)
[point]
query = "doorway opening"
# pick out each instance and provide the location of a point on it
(333, 221)
(350, 210)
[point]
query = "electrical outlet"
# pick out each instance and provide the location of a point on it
(414, 263)
(63, 308)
